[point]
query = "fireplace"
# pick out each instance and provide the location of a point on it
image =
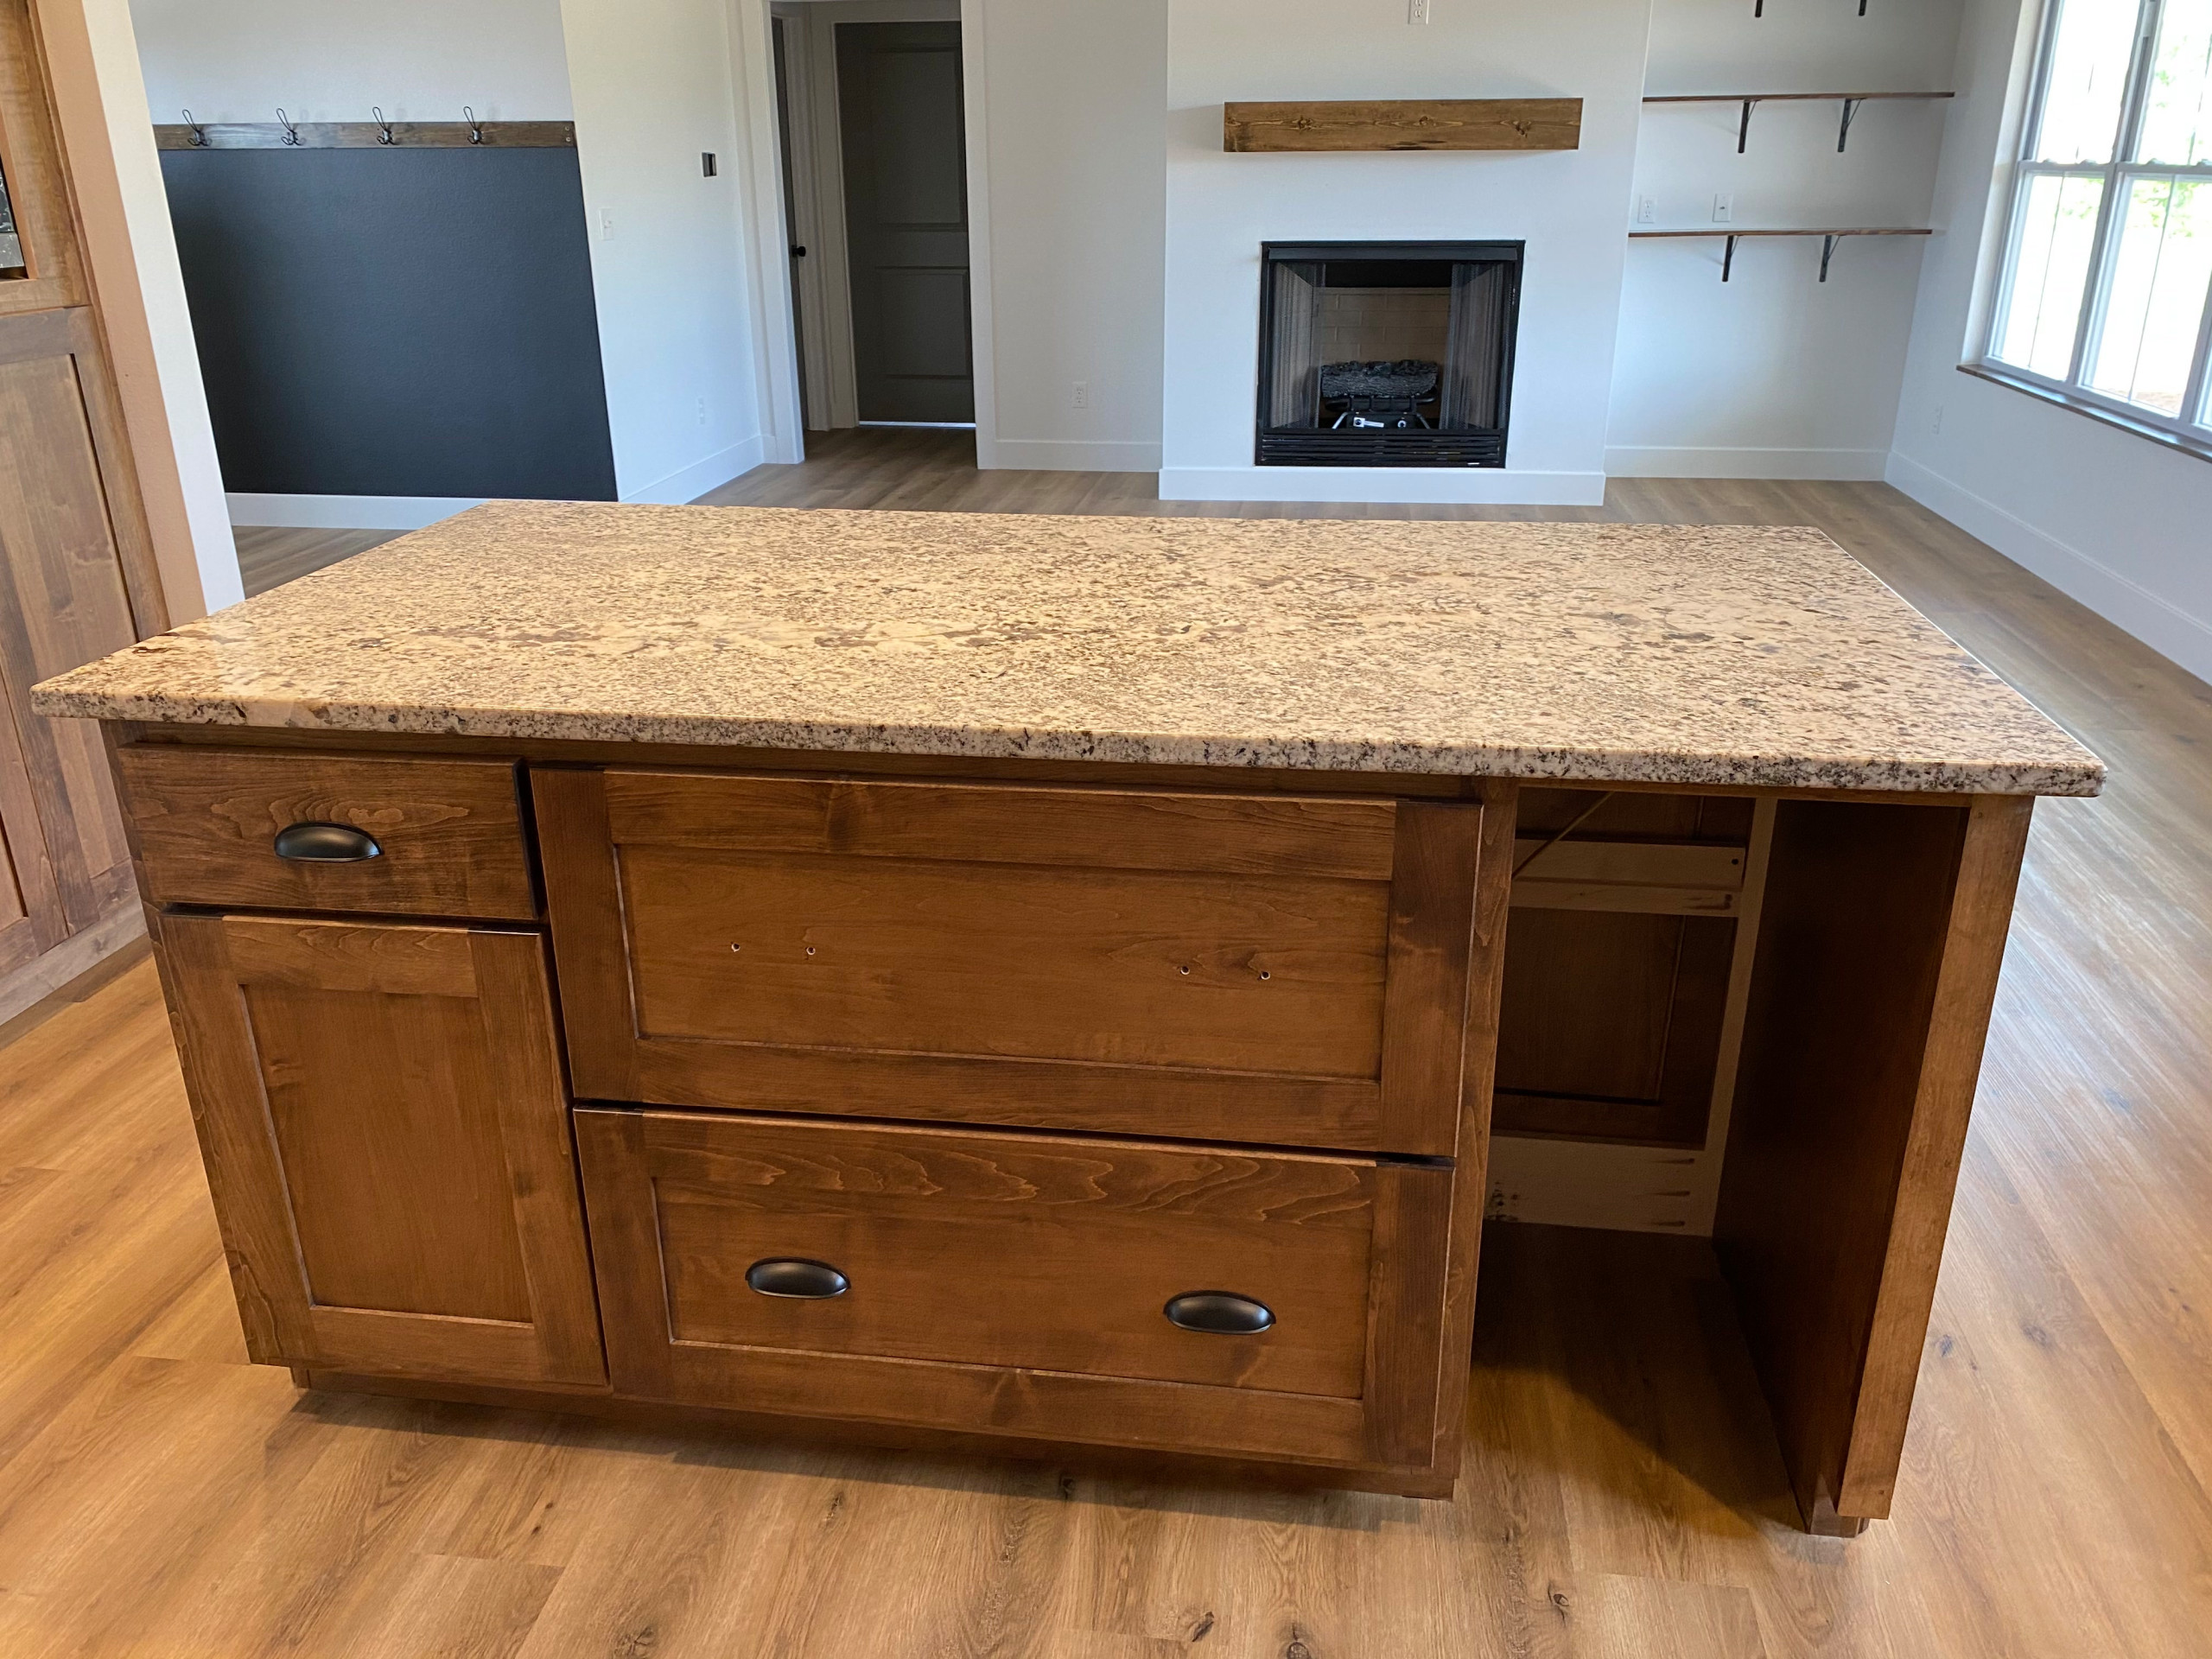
(1386, 353)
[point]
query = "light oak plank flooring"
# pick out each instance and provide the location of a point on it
(270, 556)
(1623, 1498)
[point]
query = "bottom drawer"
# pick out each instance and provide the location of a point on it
(1122, 1292)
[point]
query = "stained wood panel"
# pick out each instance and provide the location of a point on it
(1242, 968)
(63, 599)
(36, 190)
(1879, 947)
(1405, 124)
(1612, 1024)
(1018, 1282)
(1009, 1250)
(381, 1114)
(450, 832)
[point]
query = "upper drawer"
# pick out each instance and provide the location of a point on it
(446, 834)
(1261, 969)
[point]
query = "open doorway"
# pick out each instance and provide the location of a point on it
(871, 114)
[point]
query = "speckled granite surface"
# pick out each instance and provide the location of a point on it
(1606, 652)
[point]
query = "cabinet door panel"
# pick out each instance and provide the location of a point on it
(62, 599)
(387, 1140)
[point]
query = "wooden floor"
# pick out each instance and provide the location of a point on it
(268, 557)
(1623, 1497)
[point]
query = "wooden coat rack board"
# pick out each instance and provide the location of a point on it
(366, 135)
(1404, 124)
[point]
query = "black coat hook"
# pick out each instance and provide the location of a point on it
(383, 127)
(199, 139)
(291, 132)
(475, 127)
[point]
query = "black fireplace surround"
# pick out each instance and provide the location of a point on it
(1386, 353)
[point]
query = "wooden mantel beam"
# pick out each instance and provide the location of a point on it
(1405, 124)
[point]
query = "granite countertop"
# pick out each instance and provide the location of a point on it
(1608, 652)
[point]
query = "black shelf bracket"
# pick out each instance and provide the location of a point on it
(1828, 252)
(1744, 127)
(1728, 260)
(1850, 111)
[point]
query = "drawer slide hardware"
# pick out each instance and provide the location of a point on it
(1220, 1314)
(325, 843)
(800, 1280)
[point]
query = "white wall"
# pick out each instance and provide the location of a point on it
(1570, 206)
(653, 90)
(1076, 223)
(1776, 374)
(2119, 522)
(333, 60)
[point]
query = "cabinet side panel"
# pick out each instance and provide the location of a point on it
(1876, 966)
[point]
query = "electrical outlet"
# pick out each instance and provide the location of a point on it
(1082, 394)
(1647, 211)
(607, 224)
(702, 411)
(1936, 422)
(1416, 11)
(1724, 209)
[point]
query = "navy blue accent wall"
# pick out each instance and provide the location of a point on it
(395, 322)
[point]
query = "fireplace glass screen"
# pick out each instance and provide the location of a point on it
(1386, 354)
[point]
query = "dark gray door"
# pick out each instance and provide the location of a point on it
(907, 219)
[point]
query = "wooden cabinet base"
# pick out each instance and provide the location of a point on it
(779, 1429)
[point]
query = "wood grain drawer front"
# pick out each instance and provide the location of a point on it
(388, 1143)
(447, 833)
(973, 1262)
(1273, 969)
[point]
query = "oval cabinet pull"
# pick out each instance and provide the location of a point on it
(1220, 1314)
(808, 1282)
(325, 843)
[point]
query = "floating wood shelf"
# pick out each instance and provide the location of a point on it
(1851, 101)
(1405, 124)
(366, 135)
(1827, 250)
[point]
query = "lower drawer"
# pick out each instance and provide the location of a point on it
(1121, 1292)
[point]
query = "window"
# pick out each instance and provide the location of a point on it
(2108, 278)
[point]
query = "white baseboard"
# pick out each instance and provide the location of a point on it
(1073, 456)
(1486, 485)
(688, 484)
(1678, 461)
(2157, 621)
(346, 511)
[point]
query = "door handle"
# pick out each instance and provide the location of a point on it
(799, 251)
(1220, 1314)
(325, 843)
(800, 1280)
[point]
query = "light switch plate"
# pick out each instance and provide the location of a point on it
(1724, 209)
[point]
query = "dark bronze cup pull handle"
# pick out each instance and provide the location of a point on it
(325, 843)
(809, 1281)
(1220, 1314)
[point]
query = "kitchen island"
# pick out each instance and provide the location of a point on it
(1054, 984)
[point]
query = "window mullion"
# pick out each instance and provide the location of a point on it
(2193, 411)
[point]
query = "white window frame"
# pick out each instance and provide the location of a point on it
(2195, 421)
